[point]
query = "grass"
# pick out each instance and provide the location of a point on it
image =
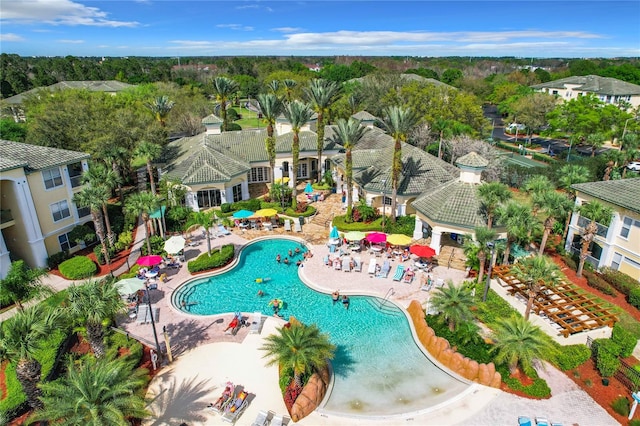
(249, 119)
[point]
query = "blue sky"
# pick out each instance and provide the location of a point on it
(320, 27)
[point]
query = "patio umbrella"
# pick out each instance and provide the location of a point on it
(399, 239)
(265, 213)
(151, 260)
(334, 233)
(422, 251)
(355, 236)
(242, 214)
(308, 189)
(174, 244)
(377, 237)
(129, 286)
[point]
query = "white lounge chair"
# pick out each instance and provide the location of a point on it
(256, 323)
(296, 226)
(144, 316)
(263, 417)
(346, 264)
(384, 271)
(221, 231)
(279, 421)
(287, 225)
(372, 266)
(358, 264)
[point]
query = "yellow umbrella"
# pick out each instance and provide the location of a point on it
(265, 213)
(399, 240)
(282, 180)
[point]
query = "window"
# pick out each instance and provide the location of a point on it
(387, 200)
(83, 211)
(209, 198)
(237, 193)
(302, 170)
(52, 178)
(626, 227)
(65, 242)
(75, 174)
(259, 174)
(60, 210)
(615, 262)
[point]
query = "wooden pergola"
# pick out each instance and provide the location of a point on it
(567, 307)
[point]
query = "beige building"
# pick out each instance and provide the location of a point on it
(617, 245)
(37, 185)
(608, 90)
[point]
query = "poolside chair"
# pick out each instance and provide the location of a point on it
(372, 266)
(524, 421)
(274, 222)
(439, 282)
(542, 421)
(287, 225)
(337, 264)
(144, 315)
(221, 231)
(346, 264)
(409, 275)
(262, 419)
(237, 407)
(296, 226)
(399, 273)
(256, 323)
(279, 421)
(358, 264)
(384, 271)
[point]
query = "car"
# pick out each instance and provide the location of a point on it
(513, 127)
(634, 165)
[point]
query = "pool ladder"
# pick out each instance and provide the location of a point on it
(389, 293)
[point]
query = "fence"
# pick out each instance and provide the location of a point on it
(626, 374)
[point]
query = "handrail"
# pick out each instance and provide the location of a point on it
(450, 258)
(389, 293)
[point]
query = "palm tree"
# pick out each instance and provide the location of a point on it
(99, 175)
(143, 204)
(321, 94)
(598, 213)
(569, 175)
(95, 393)
(629, 146)
(483, 236)
(349, 133)
(271, 107)
(397, 123)
(595, 141)
(94, 197)
(298, 113)
(149, 151)
(492, 194)
(289, 85)
(20, 337)
(22, 283)
(116, 157)
(518, 343)
(454, 303)
(206, 221)
(537, 184)
(299, 348)
(93, 303)
(224, 88)
(274, 86)
(557, 206)
(442, 126)
(160, 108)
(536, 272)
(518, 221)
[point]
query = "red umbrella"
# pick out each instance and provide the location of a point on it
(151, 260)
(422, 251)
(377, 237)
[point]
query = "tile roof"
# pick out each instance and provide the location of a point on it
(111, 86)
(364, 116)
(623, 192)
(35, 157)
(454, 203)
(594, 84)
(472, 159)
(212, 119)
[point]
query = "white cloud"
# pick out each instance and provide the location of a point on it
(10, 37)
(70, 41)
(254, 6)
(235, 27)
(286, 29)
(58, 12)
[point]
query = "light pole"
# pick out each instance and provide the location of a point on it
(492, 246)
(384, 204)
(153, 322)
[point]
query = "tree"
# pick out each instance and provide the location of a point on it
(20, 337)
(116, 157)
(143, 204)
(454, 303)
(206, 221)
(483, 236)
(321, 95)
(21, 284)
(270, 107)
(517, 342)
(95, 197)
(598, 213)
(160, 108)
(98, 175)
(492, 194)
(95, 393)
(349, 133)
(92, 304)
(557, 206)
(536, 272)
(149, 151)
(531, 110)
(289, 85)
(518, 221)
(299, 348)
(298, 114)
(397, 123)
(452, 76)
(569, 175)
(224, 88)
(595, 141)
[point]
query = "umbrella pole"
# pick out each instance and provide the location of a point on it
(153, 322)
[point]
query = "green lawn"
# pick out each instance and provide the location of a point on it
(249, 119)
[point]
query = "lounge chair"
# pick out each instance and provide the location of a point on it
(358, 264)
(263, 418)
(296, 226)
(337, 264)
(279, 421)
(236, 408)
(542, 421)
(346, 264)
(399, 273)
(274, 222)
(372, 266)
(409, 275)
(144, 315)
(256, 323)
(287, 225)
(524, 421)
(221, 231)
(384, 271)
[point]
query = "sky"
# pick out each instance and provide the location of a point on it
(178, 28)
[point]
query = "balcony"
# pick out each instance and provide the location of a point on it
(6, 219)
(602, 230)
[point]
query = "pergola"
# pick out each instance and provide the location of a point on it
(567, 307)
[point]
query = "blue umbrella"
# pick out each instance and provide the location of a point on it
(334, 233)
(308, 189)
(242, 214)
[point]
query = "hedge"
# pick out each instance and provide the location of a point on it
(77, 268)
(619, 280)
(571, 356)
(634, 297)
(218, 258)
(115, 341)
(57, 258)
(595, 281)
(538, 389)
(624, 339)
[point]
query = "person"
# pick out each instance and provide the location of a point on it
(260, 293)
(335, 296)
(278, 258)
(275, 304)
(299, 262)
(429, 282)
(290, 253)
(345, 301)
(286, 260)
(233, 324)
(297, 250)
(183, 304)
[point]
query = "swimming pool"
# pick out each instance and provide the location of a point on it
(378, 370)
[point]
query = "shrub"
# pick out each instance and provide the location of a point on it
(621, 406)
(252, 204)
(82, 234)
(124, 240)
(571, 262)
(598, 283)
(619, 280)
(624, 339)
(115, 341)
(607, 363)
(571, 356)
(634, 297)
(225, 208)
(218, 258)
(56, 259)
(634, 422)
(77, 268)
(605, 345)
(309, 211)
(538, 389)
(157, 245)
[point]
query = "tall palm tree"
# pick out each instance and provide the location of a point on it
(92, 304)
(116, 157)
(274, 86)
(160, 108)
(557, 206)
(442, 126)
(149, 151)
(22, 283)
(484, 235)
(454, 303)
(518, 221)
(595, 141)
(206, 221)
(99, 175)
(289, 85)
(20, 337)
(321, 94)
(569, 175)
(349, 133)
(95, 393)
(224, 88)
(629, 146)
(598, 213)
(300, 348)
(536, 272)
(298, 113)
(271, 107)
(94, 197)
(397, 123)
(492, 194)
(518, 343)
(537, 184)
(143, 204)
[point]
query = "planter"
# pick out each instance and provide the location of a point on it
(605, 381)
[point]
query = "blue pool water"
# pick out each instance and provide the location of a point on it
(379, 369)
